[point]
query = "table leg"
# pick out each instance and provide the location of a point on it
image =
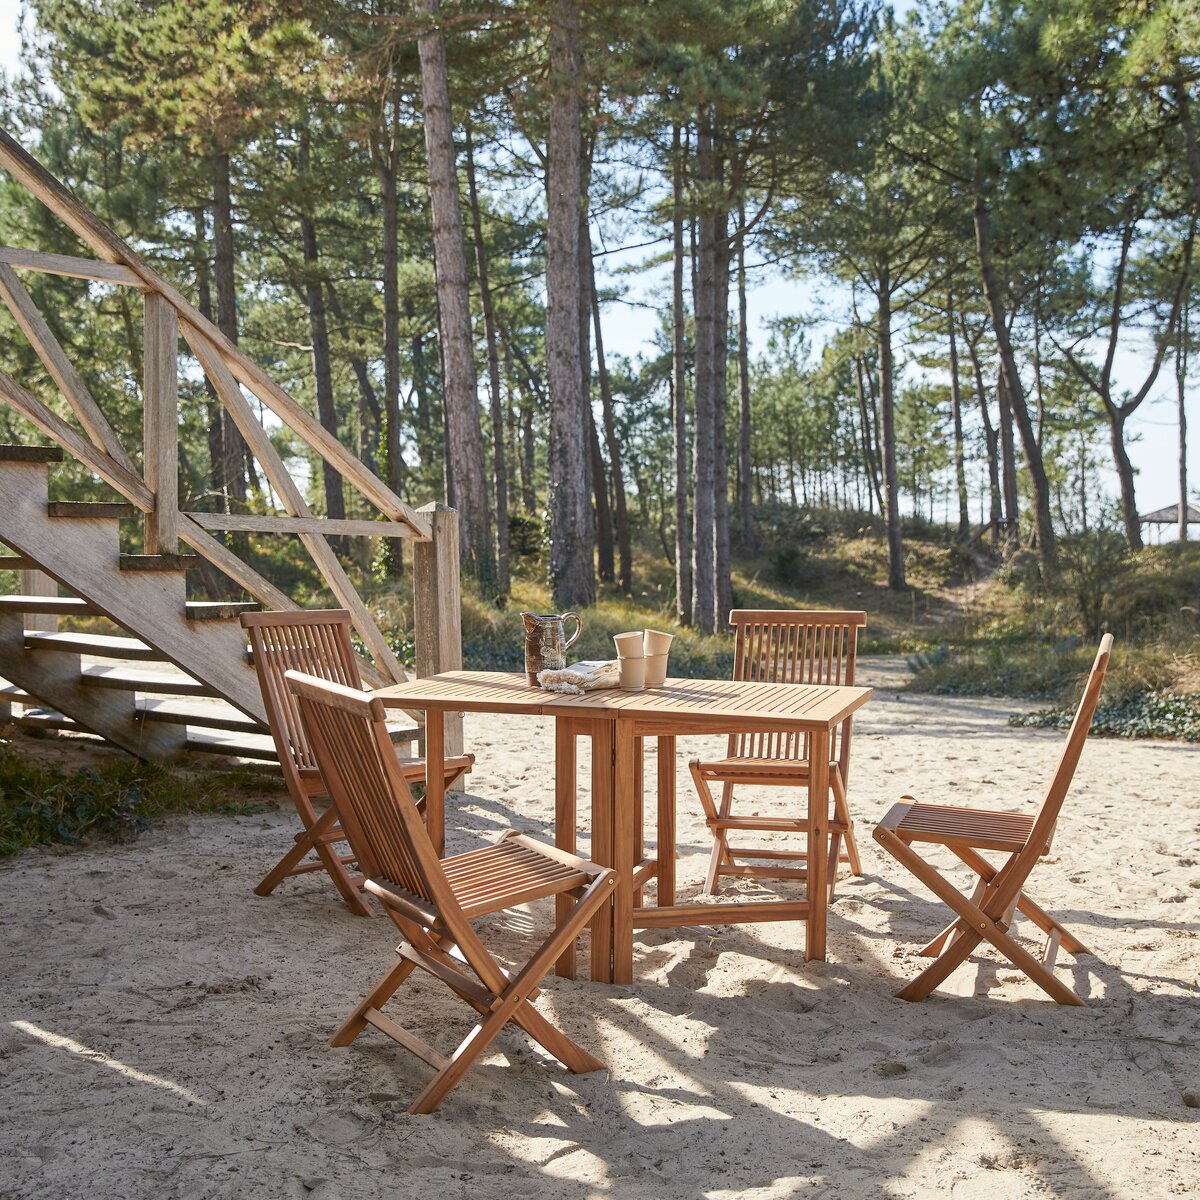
(435, 779)
(639, 809)
(564, 822)
(602, 842)
(665, 848)
(623, 818)
(817, 864)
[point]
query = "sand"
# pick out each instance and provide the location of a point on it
(163, 1031)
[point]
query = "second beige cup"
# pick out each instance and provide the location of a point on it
(631, 674)
(657, 642)
(656, 669)
(629, 645)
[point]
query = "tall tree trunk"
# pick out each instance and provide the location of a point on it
(1008, 462)
(314, 301)
(212, 404)
(1181, 370)
(891, 482)
(499, 463)
(605, 540)
(1184, 104)
(683, 550)
(870, 452)
(620, 501)
(704, 419)
(233, 469)
(572, 566)
(991, 439)
(745, 468)
(1125, 477)
(722, 557)
(370, 416)
(464, 463)
(1047, 545)
(960, 466)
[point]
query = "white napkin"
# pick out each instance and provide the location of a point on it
(580, 677)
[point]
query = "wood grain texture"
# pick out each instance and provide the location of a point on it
(160, 424)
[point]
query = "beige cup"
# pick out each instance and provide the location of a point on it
(631, 674)
(629, 645)
(657, 642)
(656, 669)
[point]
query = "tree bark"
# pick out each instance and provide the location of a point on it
(464, 463)
(704, 419)
(212, 404)
(1008, 462)
(960, 466)
(314, 301)
(870, 452)
(1181, 369)
(991, 438)
(572, 566)
(370, 415)
(745, 467)
(620, 501)
(499, 463)
(891, 483)
(683, 550)
(1047, 545)
(233, 467)
(722, 556)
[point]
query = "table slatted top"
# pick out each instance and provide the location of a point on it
(720, 703)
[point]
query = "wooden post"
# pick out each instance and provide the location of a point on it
(437, 612)
(160, 421)
(38, 583)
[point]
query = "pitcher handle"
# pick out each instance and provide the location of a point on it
(578, 629)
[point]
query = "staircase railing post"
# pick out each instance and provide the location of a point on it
(160, 424)
(38, 583)
(437, 600)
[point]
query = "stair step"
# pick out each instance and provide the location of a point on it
(158, 562)
(219, 610)
(78, 508)
(241, 745)
(198, 715)
(162, 683)
(30, 454)
(56, 605)
(11, 694)
(45, 718)
(17, 562)
(99, 644)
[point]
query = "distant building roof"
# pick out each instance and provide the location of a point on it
(1170, 515)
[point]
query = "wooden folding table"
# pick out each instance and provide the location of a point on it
(618, 722)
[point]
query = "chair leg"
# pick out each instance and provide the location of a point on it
(841, 812)
(376, 998)
(720, 849)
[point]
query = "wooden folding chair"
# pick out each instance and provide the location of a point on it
(781, 647)
(316, 641)
(988, 913)
(434, 901)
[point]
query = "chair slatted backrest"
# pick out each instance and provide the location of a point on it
(1068, 760)
(794, 646)
(314, 642)
(350, 744)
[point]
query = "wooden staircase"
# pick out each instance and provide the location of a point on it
(172, 675)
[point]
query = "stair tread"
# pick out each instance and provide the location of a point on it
(11, 453)
(91, 509)
(101, 644)
(236, 745)
(211, 714)
(60, 605)
(158, 562)
(167, 683)
(219, 610)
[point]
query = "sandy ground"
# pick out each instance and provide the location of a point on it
(163, 1031)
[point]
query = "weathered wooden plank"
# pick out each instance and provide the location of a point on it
(41, 183)
(95, 459)
(225, 560)
(436, 607)
(253, 523)
(67, 264)
(160, 424)
(37, 585)
(260, 444)
(66, 378)
(75, 509)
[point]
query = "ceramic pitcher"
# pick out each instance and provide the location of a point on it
(546, 642)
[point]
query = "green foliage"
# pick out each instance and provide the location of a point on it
(42, 803)
(1154, 714)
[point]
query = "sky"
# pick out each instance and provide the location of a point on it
(629, 325)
